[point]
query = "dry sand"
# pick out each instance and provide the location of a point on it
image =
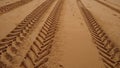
(107, 18)
(6, 2)
(73, 42)
(8, 21)
(113, 3)
(73, 46)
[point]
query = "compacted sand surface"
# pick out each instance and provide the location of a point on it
(58, 34)
(10, 20)
(73, 40)
(6, 2)
(108, 19)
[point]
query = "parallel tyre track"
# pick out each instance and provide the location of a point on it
(14, 40)
(111, 7)
(109, 52)
(37, 56)
(12, 6)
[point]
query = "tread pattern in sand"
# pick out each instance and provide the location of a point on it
(109, 52)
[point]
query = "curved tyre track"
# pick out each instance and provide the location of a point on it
(37, 56)
(109, 52)
(15, 39)
(115, 9)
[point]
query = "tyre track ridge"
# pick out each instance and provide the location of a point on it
(109, 52)
(12, 6)
(16, 39)
(47, 39)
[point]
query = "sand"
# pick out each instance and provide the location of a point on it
(73, 41)
(8, 21)
(108, 19)
(73, 46)
(113, 3)
(6, 2)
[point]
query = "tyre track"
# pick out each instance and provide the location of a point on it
(112, 3)
(115, 9)
(37, 56)
(109, 52)
(12, 6)
(10, 46)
